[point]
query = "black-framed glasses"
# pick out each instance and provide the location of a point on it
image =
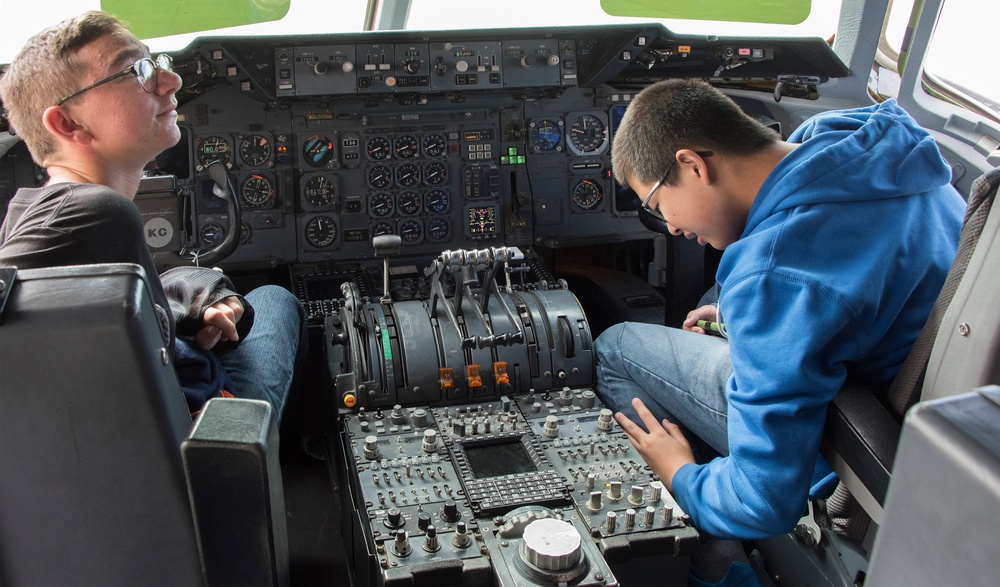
(650, 217)
(144, 71)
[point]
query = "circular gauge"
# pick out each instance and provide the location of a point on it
(408, 175)
(317, 150)
(434, 145)
(407, 146)
(411, 231)
(212, 149)
(587, 194)
(321, 232)
(379, 148)
(245, 233)
(409, 202)
(257, 191)
(436, 201)
(212, 233)
(544, 135)
(381, 204)
(587, 135)
(380, 228)
(438, 229)
(320, 192)
(380, 176)
(255, 150)
(435, 173)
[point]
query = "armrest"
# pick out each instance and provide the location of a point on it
(234, 483)
(862, 432)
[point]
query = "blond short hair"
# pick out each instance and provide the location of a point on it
(45, 70)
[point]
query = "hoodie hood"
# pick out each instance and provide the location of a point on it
(870, 153)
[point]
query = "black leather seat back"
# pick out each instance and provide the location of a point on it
(92, 488)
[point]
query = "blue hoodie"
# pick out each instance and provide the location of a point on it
(845, 249)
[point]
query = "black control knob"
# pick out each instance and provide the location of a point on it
(423, 520)
(450, 512)
(527, 61)
(394, 518)
(412, 65)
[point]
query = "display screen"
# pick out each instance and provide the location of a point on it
(494, 460)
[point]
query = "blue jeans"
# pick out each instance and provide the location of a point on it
(681, 376)
(264, 364)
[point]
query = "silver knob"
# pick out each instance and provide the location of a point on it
(588, 399)
(605, 419)
(420, 418)
(551, 545)
(401, 544)
(551, 428)
(635, 496)
(649, 517)
(461, 539)
(615, 491)
(655, 488)
(595, 504)
(430, 440)
(397, 416)
(629, 519)
(371, 447)
(431, 543)
(612, 520)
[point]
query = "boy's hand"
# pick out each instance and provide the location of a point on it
(220, 323)
(664, 447)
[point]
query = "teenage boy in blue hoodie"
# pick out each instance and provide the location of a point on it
(835, 246)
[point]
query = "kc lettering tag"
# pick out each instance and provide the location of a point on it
(158, 232)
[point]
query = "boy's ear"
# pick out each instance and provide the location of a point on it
(62, 126)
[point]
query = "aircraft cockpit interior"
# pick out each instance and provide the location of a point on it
(443, 205)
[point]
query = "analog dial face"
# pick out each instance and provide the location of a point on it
(320, 192)
(379, 148)
(438, 229)
(321, 232)
(407, 146)
(381, 205)
(587, 135)
(437, 201)
(214, 148)
(257, 191)
(408, 175)
(211, 233)
(381, 227)
(435, 173)
(380, 176)
(587, 194)
(411, 231)
(545, 135)
(317, 150)
(409, 202)
(255, 150)
(434, 145)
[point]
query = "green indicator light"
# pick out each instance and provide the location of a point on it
(504, 160)
(522, 159)
(512, 151)
(386, 349)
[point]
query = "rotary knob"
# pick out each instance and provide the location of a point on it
(394, 518)
(371, 447)
(551, 545)
(429, 444)
(588, 399)
(450, 512)
(551, 428)
(605, 419)
(419, 418)
(397, 416)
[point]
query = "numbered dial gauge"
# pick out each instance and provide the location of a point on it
(545, 135)
(380, 176)
(381, 227)
(587, 135)
(434, 145)
(437, 201)
(411, 231)
(319, 191)
(245, 233)
(587, 194)
(408, 175)
(435, 173)
(407, 146)
(379, 148)
(321, 232)
(211, 233)
(438, 229)
(317, 150)
(255, 150)
(212, 149)
(257, 191)
(381, 205)
(409, 203)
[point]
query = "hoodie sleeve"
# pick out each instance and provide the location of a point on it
(787, 339)
(192, 290)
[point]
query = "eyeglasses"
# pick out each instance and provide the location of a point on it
(645, 207)
(144, 71)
